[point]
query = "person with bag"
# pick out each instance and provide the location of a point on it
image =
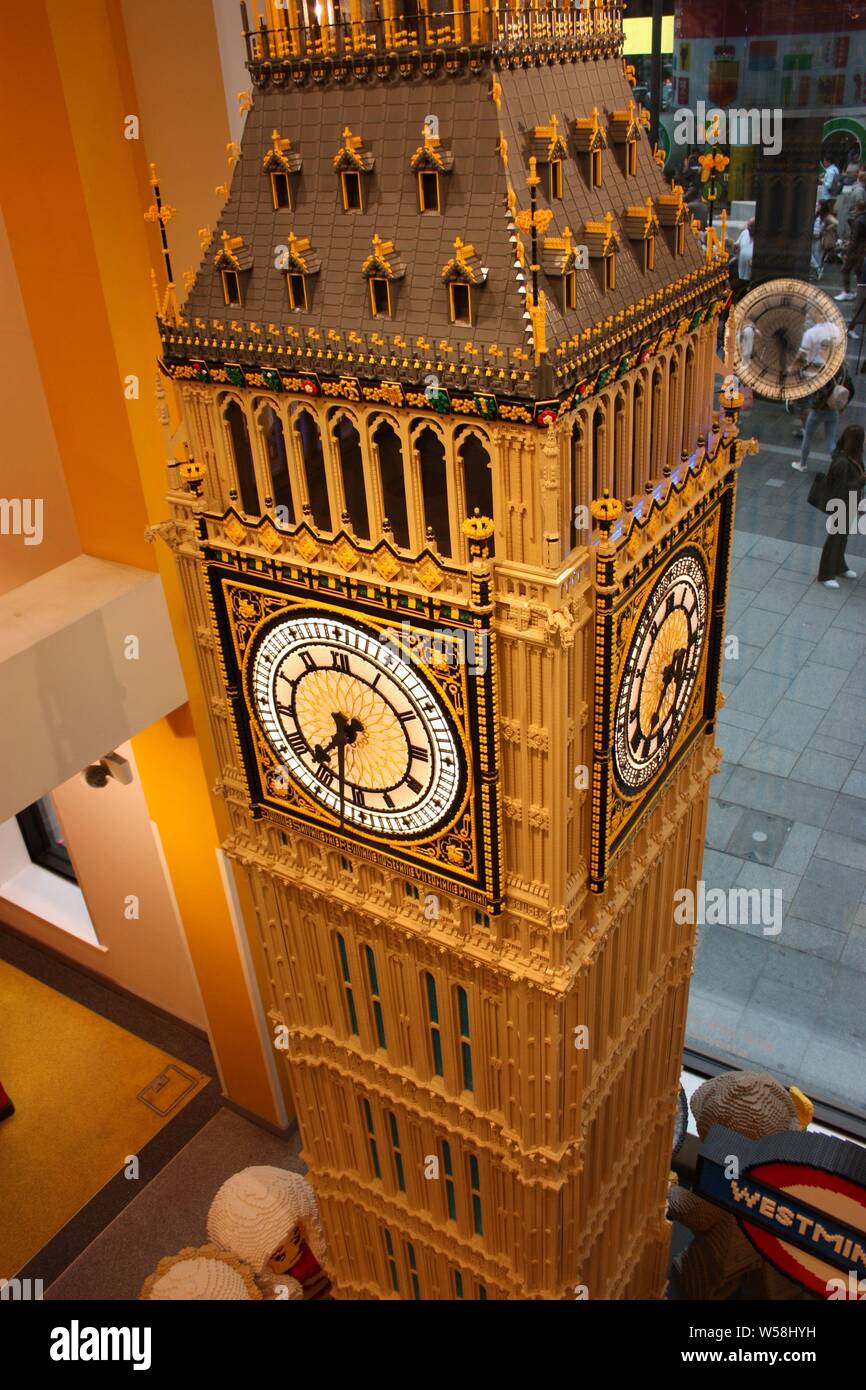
(844, 476)
(825, 408)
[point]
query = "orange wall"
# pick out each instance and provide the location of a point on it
(30, 466)
(92, 325)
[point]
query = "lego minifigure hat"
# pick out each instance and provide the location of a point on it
(201, 1275)
(256, 1209)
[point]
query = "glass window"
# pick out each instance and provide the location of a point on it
(375, 997)
(352, 470)
(43, 838)
(390, 452)
(243, 458)
(477, 479)
(314, 468)
(475, 1193)
(433, 1014)
(271, 427)
(465, 1046)
(347, 985)
(371, 1137)
(431, 456)
(395, 1151)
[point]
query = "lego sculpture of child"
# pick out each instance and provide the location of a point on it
(268, 1216)
(720, 1259)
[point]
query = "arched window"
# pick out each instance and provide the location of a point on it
(393, 481)
(599, 447)
(314, 469)
(243, 458)
(477, 478)
(434, 486)
(688, 398)
(348, 443)
(638, 437)
(676, 434)
(620, 459)
(271, 427)
(656, 436)
(576, 500)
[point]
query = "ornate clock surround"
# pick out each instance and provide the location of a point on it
(623, 594)
(462, 855)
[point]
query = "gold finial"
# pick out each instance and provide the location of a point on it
(245, 102)
(233, 151)
(496, 92)
(606, 510)
(534, 179)
(204, 236)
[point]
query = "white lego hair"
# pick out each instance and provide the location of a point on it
(255, 1209)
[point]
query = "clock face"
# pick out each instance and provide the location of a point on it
(790, 338)
(660, 671)
(323, 685)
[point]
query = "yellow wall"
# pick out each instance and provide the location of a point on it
(74, 191)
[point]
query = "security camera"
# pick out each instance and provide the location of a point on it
(112, 765)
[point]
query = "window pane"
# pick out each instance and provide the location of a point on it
(393, 482)
(478, 479)
(278, 463)
(43, 838)
(243, 457)
(314, 467)
(431, 453)
(352, 470)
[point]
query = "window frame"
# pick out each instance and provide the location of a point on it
(422, 201)
(288, 205)
(460, 285)
(569, 290)
(596, 169)
(292, 276)
(43, 848)
(345, 176)
(232, 275)
(379, 313)
(554, 180)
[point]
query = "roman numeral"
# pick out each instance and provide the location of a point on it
(308, 660)
(298, 744)
(325, 775)
(340, 662)
(412, 784)
(420, 755)
(358, 796)
(388, 801)
(407, 717)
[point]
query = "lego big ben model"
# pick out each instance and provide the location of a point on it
(454, 538)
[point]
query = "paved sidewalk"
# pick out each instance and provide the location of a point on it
(788, 810)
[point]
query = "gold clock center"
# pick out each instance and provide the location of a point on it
(379, 756)
(673, 636)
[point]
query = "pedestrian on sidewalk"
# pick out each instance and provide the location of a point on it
(844, 476)
(824, 411)
(855, 252)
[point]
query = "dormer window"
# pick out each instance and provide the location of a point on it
(560, 257)
(381, 270)
(626, 130)
(462, 274)
(602, 243)
(280, 163)
(649, 253)
(233, 261)
(231, 287)
(352, 162)
(591, 141)
(297, 286)
(299, 263)
(351, 185)
(641, 224)
(280, 191)
(548, 149)
(428, 191)
(380, 297)
(681, 239)
(429, 162)
(673, 213)
(460, 303)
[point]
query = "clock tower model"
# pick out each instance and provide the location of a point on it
(453, 522)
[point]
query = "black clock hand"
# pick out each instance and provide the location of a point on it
(346, 731)
(341, 775)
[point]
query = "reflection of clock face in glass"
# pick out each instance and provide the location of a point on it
(790, 339)
(319, 681)
(660, 671)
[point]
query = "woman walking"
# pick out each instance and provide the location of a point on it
(844, 476)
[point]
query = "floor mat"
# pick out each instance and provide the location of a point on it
(88, 1096)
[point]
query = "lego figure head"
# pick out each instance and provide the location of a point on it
(268, 1216)
(753, 1103)
(202, 1275)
